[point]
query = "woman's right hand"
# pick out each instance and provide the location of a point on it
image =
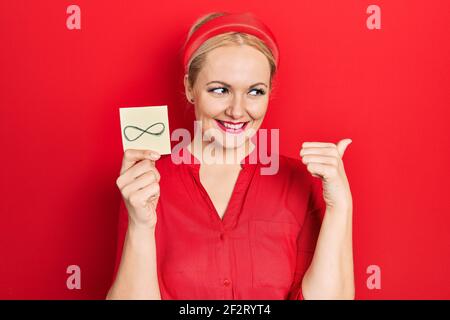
(139, 184)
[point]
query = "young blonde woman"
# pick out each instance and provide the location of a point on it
(200, 230)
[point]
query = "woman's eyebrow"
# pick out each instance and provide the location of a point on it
(227, 85)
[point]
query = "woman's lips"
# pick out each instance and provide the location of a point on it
(231, 127)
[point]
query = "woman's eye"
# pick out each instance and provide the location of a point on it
(223, 90)
(218, 90)
(259, 92)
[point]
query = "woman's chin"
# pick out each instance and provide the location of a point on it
(227, 140)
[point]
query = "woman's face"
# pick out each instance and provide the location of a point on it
(231, 94)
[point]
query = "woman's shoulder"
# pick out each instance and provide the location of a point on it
(171, 165)
(286, 173)
(301, 182)
(295, 173)
(167, 164)
(290, 167)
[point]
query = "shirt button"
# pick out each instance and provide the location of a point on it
(226, 282)
(221, 236)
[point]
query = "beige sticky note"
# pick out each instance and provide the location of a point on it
(145, 128)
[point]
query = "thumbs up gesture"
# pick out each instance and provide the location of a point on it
(324, 160)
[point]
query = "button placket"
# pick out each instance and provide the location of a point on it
(225, 226)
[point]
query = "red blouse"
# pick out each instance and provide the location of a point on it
(259, 250)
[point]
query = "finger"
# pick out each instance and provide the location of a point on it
(317, 144)
(324, 170)
(142, 167)
(331, 160)
(328, 151)
(131, 156)
(342, 146)
(142, 196)
(137, 170)
(139, 183)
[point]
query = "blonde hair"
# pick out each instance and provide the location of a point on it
(198, 58)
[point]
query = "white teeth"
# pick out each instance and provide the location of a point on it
(233, 126)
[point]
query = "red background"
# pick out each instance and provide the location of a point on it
(60, 89)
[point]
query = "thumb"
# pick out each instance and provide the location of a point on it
(342, 145)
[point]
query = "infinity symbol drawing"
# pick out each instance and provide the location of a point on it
(157, 133)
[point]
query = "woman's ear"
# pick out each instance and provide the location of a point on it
(188, 89)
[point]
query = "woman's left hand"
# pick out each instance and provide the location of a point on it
(324, 160)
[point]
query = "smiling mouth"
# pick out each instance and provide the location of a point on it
(232, 127)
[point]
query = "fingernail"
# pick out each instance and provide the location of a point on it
(154, 156)
(151, 156)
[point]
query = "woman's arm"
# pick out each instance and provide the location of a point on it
(330, 274)
(137, 275)
(139, 185)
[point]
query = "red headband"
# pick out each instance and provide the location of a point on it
(237, 22)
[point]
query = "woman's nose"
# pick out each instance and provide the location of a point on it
(236, 109)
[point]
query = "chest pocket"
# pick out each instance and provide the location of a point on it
(273, 253)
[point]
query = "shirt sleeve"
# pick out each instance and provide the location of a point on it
(121, 232)
(307, 238)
